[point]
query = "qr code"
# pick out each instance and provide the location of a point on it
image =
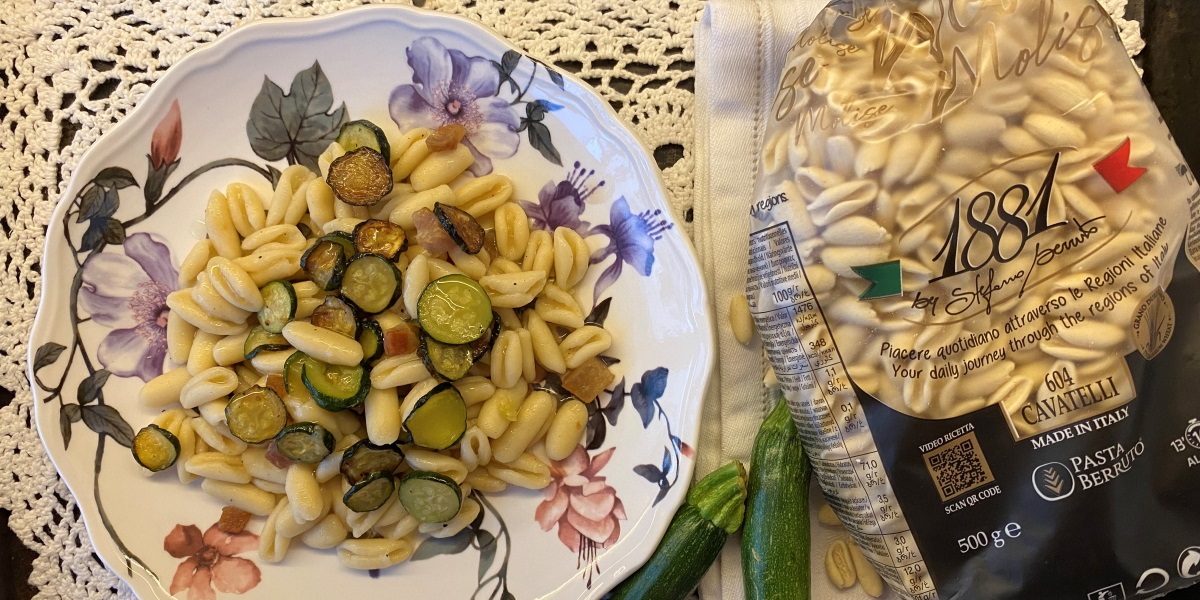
(958, 467)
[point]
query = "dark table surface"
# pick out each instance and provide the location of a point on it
(1172, 63)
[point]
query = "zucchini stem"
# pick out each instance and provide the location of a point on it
(721, 496)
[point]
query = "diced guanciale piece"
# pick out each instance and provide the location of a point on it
(276, 383)
(446, 137)
(233, 520)
(401, 339)
(586, 381)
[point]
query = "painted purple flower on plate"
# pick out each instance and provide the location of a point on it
(450, 87)
(128, 294)
(631, 238)
(561, 204)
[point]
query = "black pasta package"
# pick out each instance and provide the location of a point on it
(973, 266)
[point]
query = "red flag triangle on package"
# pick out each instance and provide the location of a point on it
(1115, 168)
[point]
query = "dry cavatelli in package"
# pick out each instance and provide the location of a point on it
(973, 268)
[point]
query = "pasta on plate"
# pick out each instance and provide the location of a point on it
(356, 372)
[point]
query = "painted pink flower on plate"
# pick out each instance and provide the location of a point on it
(211, 563)
(580, 502)
(167, 138)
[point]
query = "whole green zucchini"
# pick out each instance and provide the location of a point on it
(775, 535)
(714, 509)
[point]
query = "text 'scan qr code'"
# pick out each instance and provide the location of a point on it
(958, 467)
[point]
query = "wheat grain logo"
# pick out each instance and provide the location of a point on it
(1053, 482)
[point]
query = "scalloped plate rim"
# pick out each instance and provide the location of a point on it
(262, 31)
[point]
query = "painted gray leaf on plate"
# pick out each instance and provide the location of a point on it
(47, 354)
(297, 125)
(71, 413)
(115, 177)
(105, 419)
(91, 387)
(539, 138)
(454, 544)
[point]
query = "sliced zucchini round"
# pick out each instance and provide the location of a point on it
(466, 232)
(384, 238)
(372, 283)
(305, 442)
(438, 419)
(430, 497)
(361, 177)
(335, 315)
(363, 133)
(454, 309)
(155, 448)
(324, 263)
(370, 337)
(256, 414)
(370, 493)
(343, 238)
(446, 361)
(279, 305)
(261, 340)
(293, 371)
(485, 342)
(335, 387)
(363, 458)
(405, 437)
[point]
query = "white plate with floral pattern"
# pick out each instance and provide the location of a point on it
(275, 93)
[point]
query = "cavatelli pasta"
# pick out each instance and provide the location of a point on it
(216, 330)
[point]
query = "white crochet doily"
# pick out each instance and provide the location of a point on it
(70, 70)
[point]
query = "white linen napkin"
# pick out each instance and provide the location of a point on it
(740, 49)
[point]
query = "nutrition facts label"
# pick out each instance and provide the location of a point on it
(810, 371)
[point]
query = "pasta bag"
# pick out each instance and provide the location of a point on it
(973, 266)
